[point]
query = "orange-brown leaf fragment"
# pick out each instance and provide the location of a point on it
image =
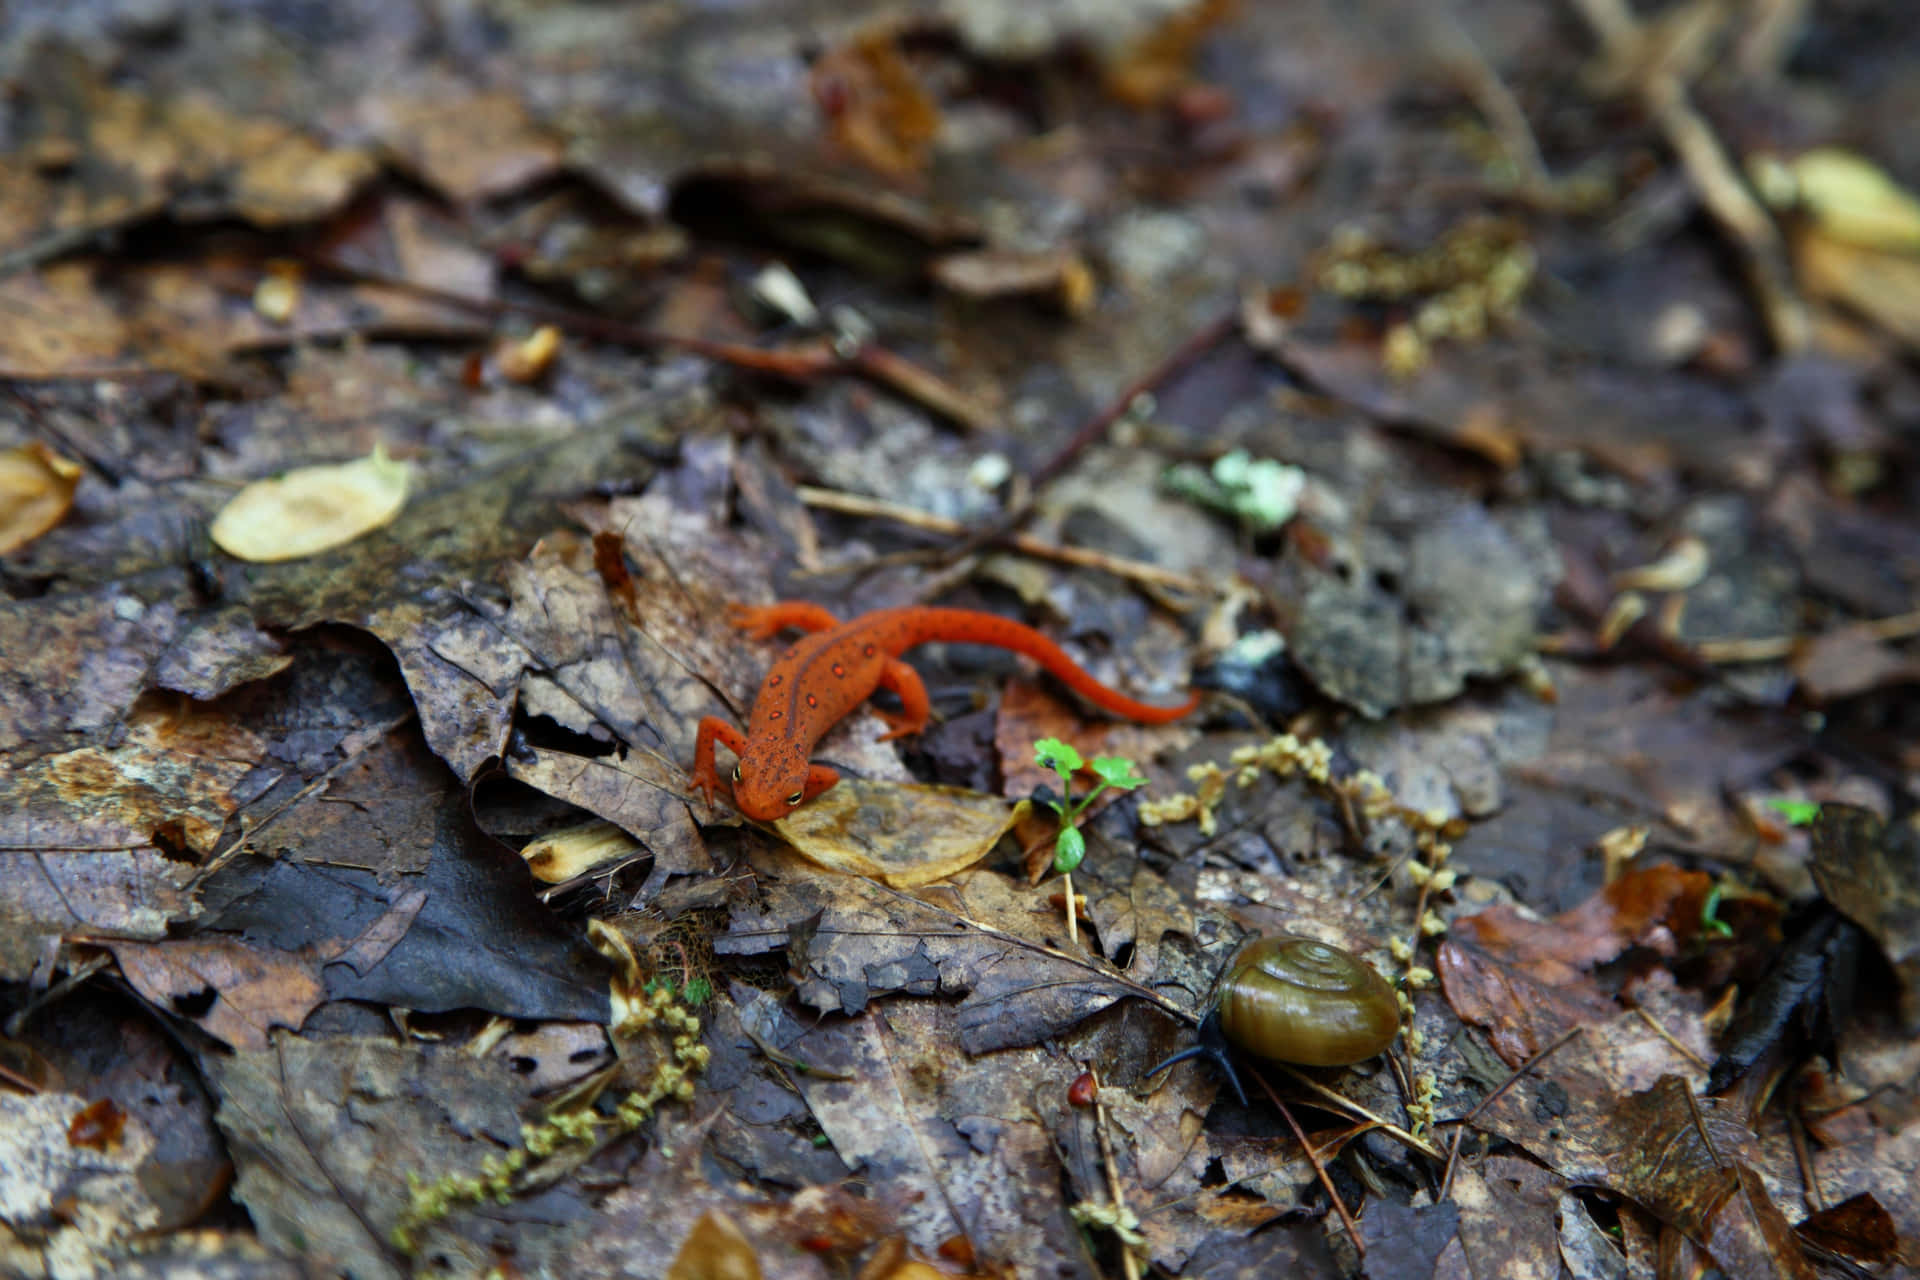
(97, 1126)
(875, 105)
(715, 1249)
(1153, 70)
(1526, 979)
(255, 989)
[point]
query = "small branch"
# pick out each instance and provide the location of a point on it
(1899, 626)
(924, 387)
(1715, 180)
(1319, 1170)
(1096, 428)
(1348, 1107)
(1128, 1263)
(802, 363)
(1120, 567)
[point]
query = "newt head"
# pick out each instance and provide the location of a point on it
(773, 785)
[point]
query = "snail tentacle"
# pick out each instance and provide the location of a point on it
(1215, 1048)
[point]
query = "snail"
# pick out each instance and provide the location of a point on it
(1294, 1000)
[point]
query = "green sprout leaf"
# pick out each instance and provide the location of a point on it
(697, 992)
(1117, 771)
(1798, 813)
(1068, 850)
(1710, 915)
(1051, 753)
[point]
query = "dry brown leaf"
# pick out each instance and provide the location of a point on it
(875, 106)
(1676, 1157)
(256, 989)
(36, 489)
(1883, 287)
(1851, 660)
(469, 145)
(1526, 979)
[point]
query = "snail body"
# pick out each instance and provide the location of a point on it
(1295, 1000)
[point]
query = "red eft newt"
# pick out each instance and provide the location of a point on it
(832, 670)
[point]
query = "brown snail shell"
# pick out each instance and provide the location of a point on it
(1295, 1000)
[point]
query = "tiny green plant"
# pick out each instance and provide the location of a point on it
(1070, 847)
(1798, 813)
(1710, 919)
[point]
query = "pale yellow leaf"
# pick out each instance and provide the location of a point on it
(313, 509)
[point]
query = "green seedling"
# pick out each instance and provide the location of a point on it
(1798, 813)
(1260, 493)
(1710, 920)
(1070, 847)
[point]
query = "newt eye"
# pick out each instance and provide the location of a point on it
(736, 772)
(796, 797)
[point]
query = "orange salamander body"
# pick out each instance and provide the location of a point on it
(833, 669)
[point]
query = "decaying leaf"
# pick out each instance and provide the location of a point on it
(1870, 869)
(1457, 597)
(562, 855)
(36, 488)
(327, 1182)
(313, 509)
(80, 1203)
(252, 989)
(1801, 1004)
(1857, 1228)
(1526, 980)
(900, 835)
(1675, 1159)
(470, 145)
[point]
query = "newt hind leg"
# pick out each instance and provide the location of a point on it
(915, 707)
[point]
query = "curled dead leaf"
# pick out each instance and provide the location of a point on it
(562, 855)
(1853, 200)
(36, 490)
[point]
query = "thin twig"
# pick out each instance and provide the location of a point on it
(1897, 626)
(921, 385)
(1700, 1127)
(1466, 1121)
(913, 517)
(1809, 1176)
(1128, 1263)
(1668, 1036)
(1348, 1107)
(1712, 174)
(1096, 428)
(1319, 1170)
(1495, 101)
(802, 363)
